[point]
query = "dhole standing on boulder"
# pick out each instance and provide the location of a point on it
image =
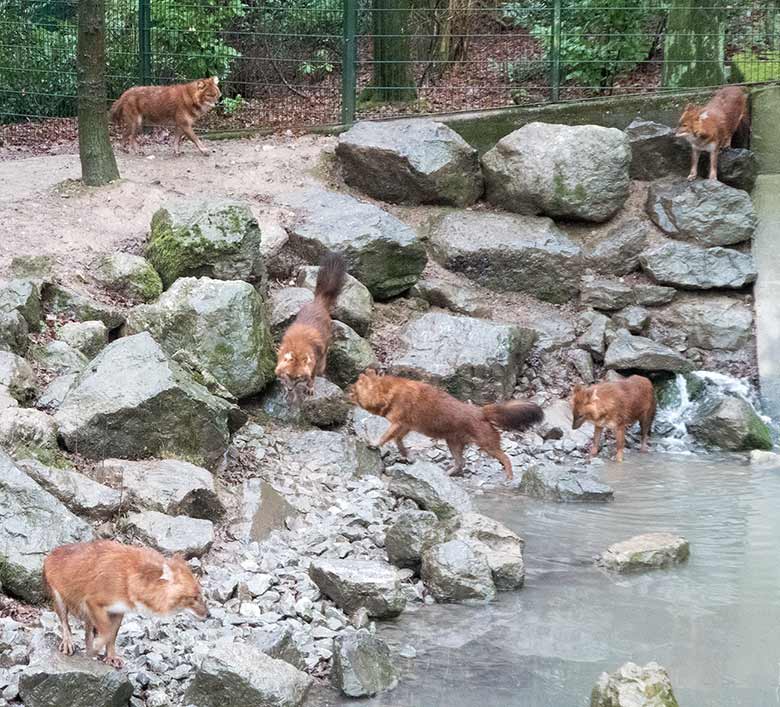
(180, 104)
(615, 405)
(101, 581)
(413, 406)
(711, 128)
(303, 352)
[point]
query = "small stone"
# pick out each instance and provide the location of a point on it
(642, 552)
(454, 572)
(362, 664)
(86, 337)
(634, 686)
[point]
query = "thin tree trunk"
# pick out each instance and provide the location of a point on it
(393, 81)
(98, 164)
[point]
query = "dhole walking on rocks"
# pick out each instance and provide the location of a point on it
(413, 406)
(101, 581)
(180, 104)
(710, 128)
(303, 352)
(615, 405)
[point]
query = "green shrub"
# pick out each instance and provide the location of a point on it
(748, 67)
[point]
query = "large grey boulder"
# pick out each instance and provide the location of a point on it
(737, 167)
(349, 355)
(28, 432)
(643, 552)
(629, 352)
(128, 275)
(32, 524)
(66, 302)
(77, 492)
(562, 171)
(168, 486)
(384, 254)
(409, 534)
(439, 292)
(192, 537)
(608, 295)
(656, 151)
(429, 486)
(135, 402)
(455, 572)
(711, 323)
(634, 686)
(615, 250)
(325, 407)
(353, 584)
(53, 394)
(512, 253)
(563, 484)
(16, 375)
(13, 332)
(222, 324)
(415, 161)
(241, 674)
(54, 679)
(502, 548)
(362, 664)
(472, 358)
(88, 338)
(262, 509)
(729, 422)
(218, 239)
(707, 212)
(284, 307)
(354, 305)
(693, 267)
(22, 296)
(59, 358)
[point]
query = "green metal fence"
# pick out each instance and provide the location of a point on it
(291, 63)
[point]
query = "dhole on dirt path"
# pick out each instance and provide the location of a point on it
(101, 581)
(303, 352)
(180, 104)
(414, 406)
(710, 128)
(615, 405)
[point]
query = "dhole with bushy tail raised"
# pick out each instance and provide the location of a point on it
(101, 581)
(615, 405)
(303, 351)
(180, 104)
(414, 406)
(710, 128)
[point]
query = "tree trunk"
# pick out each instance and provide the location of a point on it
(695, 45)
(392, 81)
(98, 165)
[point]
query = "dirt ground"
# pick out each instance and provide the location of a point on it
(45, 210)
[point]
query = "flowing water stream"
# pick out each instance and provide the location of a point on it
(713, 622)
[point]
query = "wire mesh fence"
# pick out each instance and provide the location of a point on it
(309, 62)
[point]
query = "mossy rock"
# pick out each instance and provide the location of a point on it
(129, 275)
(729, 422)
(217, 239)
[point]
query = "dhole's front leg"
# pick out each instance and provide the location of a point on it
(594, 448)
(694, 164)
(392, 433)
(714, 165)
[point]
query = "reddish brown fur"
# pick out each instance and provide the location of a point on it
(303, 352)
(710, 128)
(99, 581)
(180, 104)
(413, 406)
(615, 405)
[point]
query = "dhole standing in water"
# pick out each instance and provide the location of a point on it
(710, 128)
(615, 405)
(101, 581)
(303, 352)
(180, 104)
(413, 406)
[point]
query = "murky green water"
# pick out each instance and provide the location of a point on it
(713, 622)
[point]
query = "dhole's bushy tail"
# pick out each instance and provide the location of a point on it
(117, 108)
(330, 279)
(514, 415)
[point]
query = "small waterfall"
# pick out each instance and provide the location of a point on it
(671, 418)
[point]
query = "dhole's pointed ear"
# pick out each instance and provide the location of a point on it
(215, 79)
(578, 388)
(167, 573)
(201, 84)
(369, 372)
(688, 106)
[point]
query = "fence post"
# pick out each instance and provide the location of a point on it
(145, 42)
(555, 52)
(349, 63)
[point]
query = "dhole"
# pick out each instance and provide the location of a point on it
(100, 581)
(615, 405)
(413, 406)
(181, 104)
(304, 349)
(710, 128)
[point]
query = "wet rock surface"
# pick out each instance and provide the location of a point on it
(634, 686)
(552, 483)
